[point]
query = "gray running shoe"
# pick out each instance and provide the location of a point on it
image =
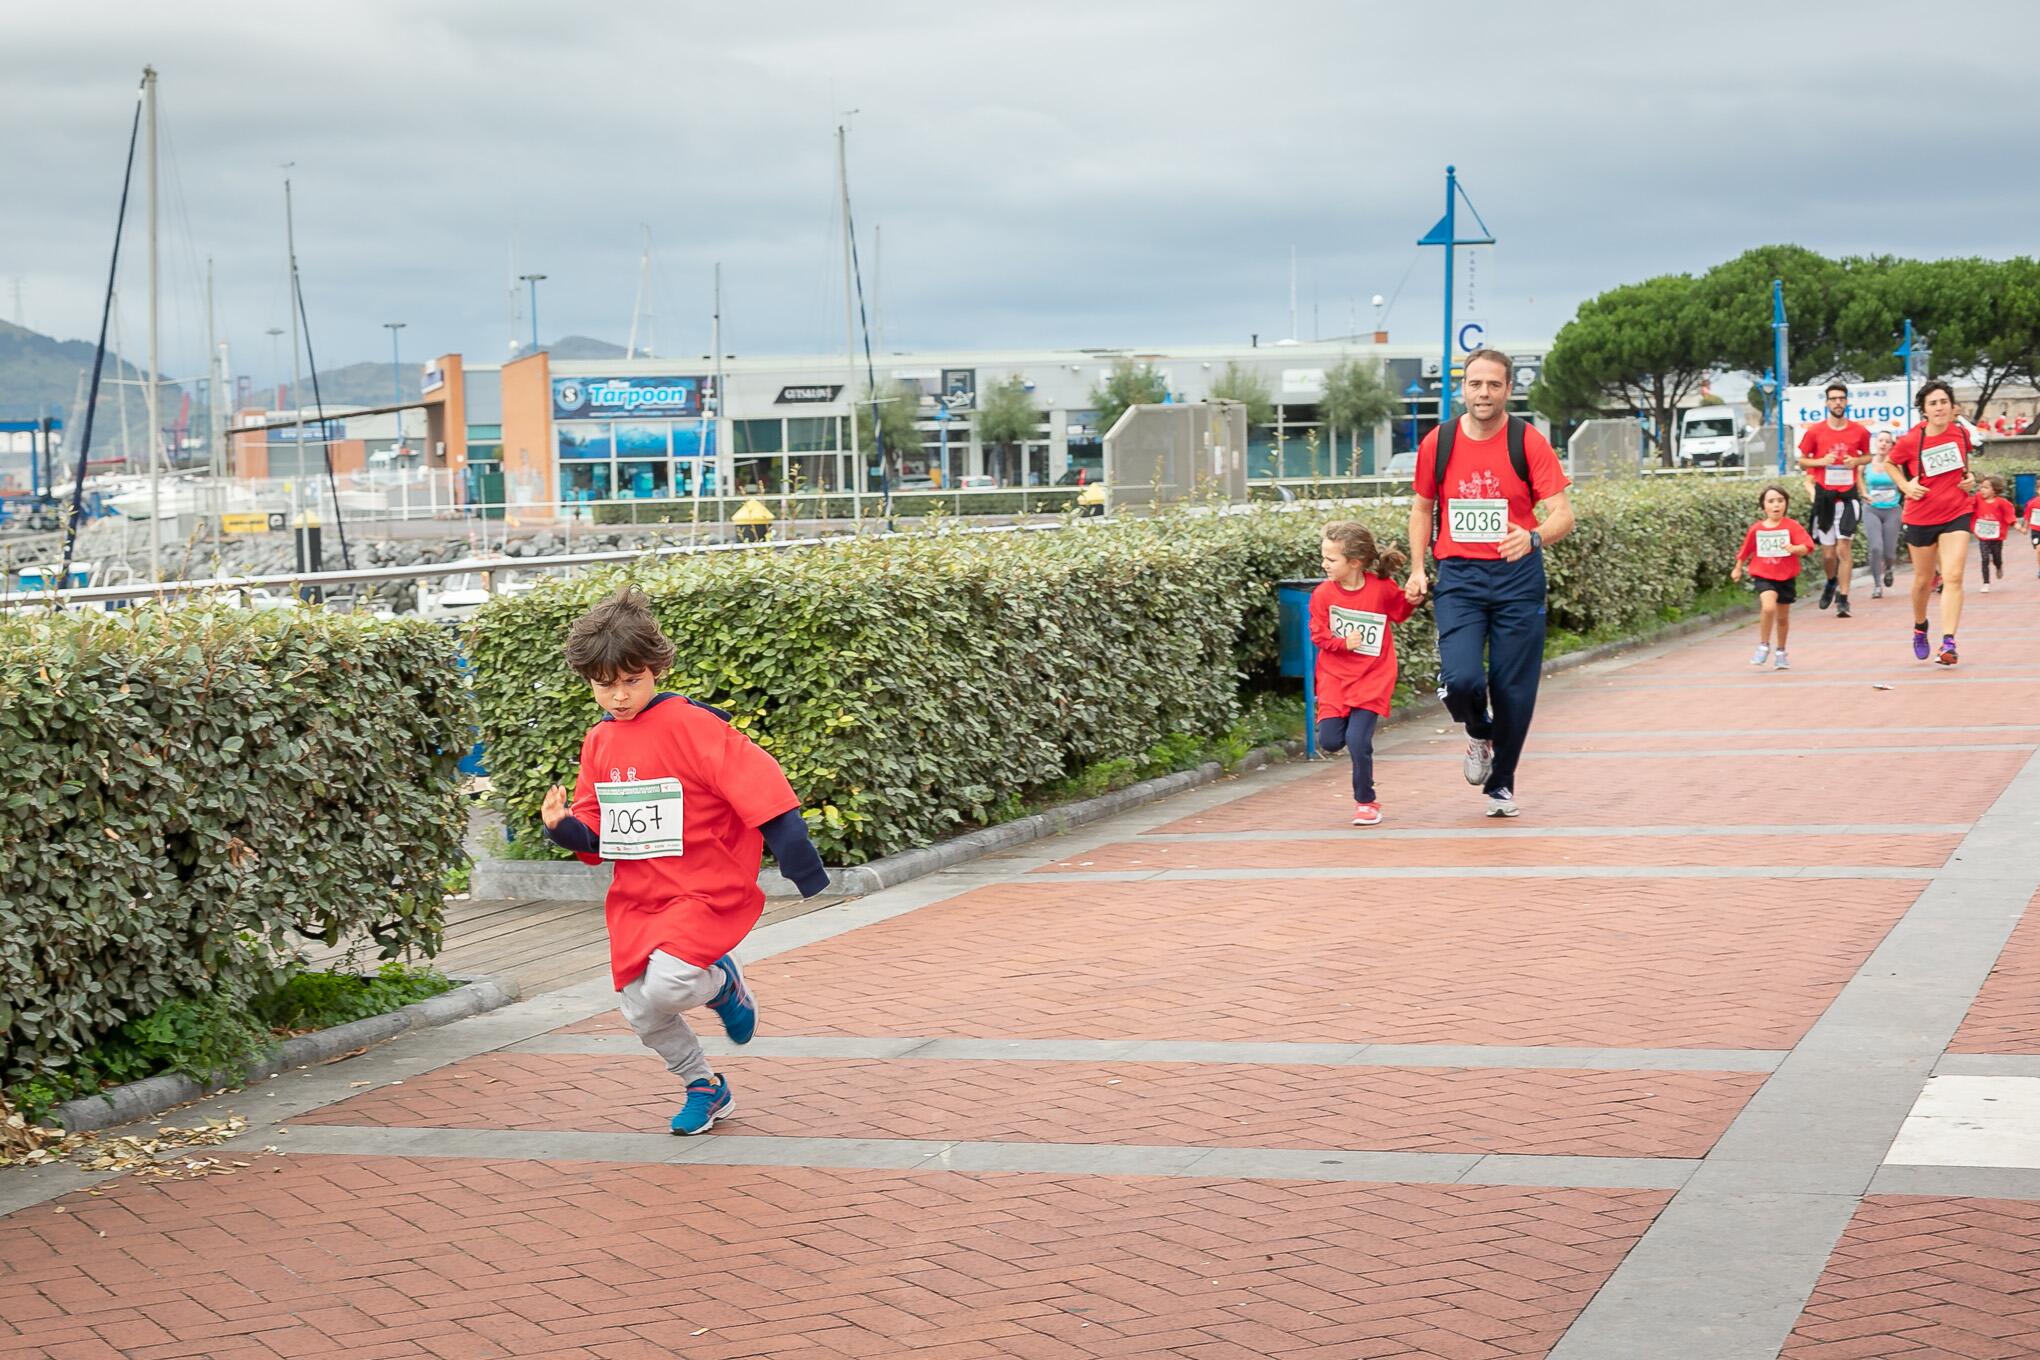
(1480, 759)
(1502, 803)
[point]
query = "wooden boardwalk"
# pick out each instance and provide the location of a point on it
(542, 945)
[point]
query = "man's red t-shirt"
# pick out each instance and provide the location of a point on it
(1773, 567)
(1347, 679)
(1947, 451)
(1481, 475)
(1825, 441)
(1998, 512)
(696, 905)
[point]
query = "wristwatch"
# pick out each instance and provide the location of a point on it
(1536, 540)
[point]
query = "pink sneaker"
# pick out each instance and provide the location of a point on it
(1366, 814)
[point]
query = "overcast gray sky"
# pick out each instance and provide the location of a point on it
(1044, 173)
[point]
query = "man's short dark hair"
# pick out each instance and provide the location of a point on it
(618, 637)
(1492, 356)
(1835, 387)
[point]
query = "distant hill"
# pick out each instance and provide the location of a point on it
(364, 384)
(39, 377)
(584, 347)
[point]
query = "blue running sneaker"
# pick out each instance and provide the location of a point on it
(707, 1101)
(734, 1005)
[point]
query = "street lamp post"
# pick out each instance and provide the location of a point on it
(534, 280)
(397, 378)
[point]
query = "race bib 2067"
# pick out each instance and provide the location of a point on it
(641, 818)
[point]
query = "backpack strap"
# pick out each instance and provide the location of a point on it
(1519, 457)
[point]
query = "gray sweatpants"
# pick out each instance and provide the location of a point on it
(655, 1003)
(1880, 526)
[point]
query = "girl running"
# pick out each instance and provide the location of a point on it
(1994, 520)
(1773, 547)
(1350, 616)
(2033, 527)
(1880, 516)
(1930, 463)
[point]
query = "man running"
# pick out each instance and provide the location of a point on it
(1485, 479)
(1830, 453)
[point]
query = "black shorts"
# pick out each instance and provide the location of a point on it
(1927, 535)
(2036, 538)
(1786, 591)
(1835, 515)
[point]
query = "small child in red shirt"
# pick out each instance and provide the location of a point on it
(2032, 513)
(1992, 521)
(682, 803)
(1350, 614)
(1773, 547)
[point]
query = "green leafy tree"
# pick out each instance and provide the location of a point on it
(1007, 417)
(1641, 347)
(899, 406)
(1357, 398)
(1130, 384)
(1247, 388)
(1737, 298)
(1978, 318)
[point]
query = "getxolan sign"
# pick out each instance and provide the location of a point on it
(1878, 406)
(809, 393)
(600, 398)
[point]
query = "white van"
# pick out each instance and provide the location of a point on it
(1710, 436)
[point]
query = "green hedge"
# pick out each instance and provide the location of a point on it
(188, 792)
(911, 686)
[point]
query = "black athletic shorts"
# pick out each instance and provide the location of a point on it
(1927, 535)
(1786, 591)
(1835, 515)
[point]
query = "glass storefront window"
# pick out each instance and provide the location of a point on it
(690, 437)
(642, 480)
(641, 441)
(813, 472)
(811, 434)
(585, 482)
(485, 443)
(584, 439)
(758, 476)
(758, 436)
(684, 475)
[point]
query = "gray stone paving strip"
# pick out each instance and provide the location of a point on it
(1965, 1182)
(1727, 1267)
(1746, 752)
(1182, 1051)
(1811, 680)
(1763, 871)
(729, 1148)
(1988, 1065)
(1519, 830)
(1744, 733)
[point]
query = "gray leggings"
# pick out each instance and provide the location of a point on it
(1880, 524)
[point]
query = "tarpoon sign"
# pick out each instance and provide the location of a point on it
(1878, 406)
(602, 398)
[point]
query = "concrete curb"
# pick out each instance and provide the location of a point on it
(565, 881)
(152, 1095)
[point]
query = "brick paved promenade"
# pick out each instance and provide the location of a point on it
(1729, 1048)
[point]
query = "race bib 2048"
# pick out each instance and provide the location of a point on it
(1774, 543)
(1939, 459)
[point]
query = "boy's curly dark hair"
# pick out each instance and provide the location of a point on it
(618, 637)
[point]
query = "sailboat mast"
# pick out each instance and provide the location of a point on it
(849, 329)
(637, 306)
(297, 401)
(213, 502)
(155, 421)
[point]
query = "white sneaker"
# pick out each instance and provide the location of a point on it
(1761, 655)
(1876, 590)
(1986, 588)
(1780, 661)
(1501, 803)
(1480, 759)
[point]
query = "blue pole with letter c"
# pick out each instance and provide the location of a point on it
(1779, 332)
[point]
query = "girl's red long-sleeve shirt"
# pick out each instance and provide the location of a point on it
(1347, 679)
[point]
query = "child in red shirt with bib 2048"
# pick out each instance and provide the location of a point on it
(1992, 519)
(1773, 547)
(2032, 516)
(682, 803)
(1350, 614)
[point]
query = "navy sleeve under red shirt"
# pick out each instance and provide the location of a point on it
(698, 903)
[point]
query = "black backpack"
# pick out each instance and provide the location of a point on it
(1448, 435)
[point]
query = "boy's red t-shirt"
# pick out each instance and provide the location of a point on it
(1998, 512)
(1774, 568)
(2033, 514)
(699, 904)
(1347, 679)
(1481, 470)
(1824, 441)
(1945, 499)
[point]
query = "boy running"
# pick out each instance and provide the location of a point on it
(683, 804)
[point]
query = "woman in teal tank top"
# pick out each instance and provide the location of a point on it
(1881, 505)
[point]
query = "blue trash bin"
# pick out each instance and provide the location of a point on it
(1296, 654)
(2022, 489)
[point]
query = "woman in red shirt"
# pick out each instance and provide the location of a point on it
(1774, 548)
(1930, 463)
(1350, 616)
(1994, 518)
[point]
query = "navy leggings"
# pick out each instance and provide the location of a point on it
(1354, 732)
